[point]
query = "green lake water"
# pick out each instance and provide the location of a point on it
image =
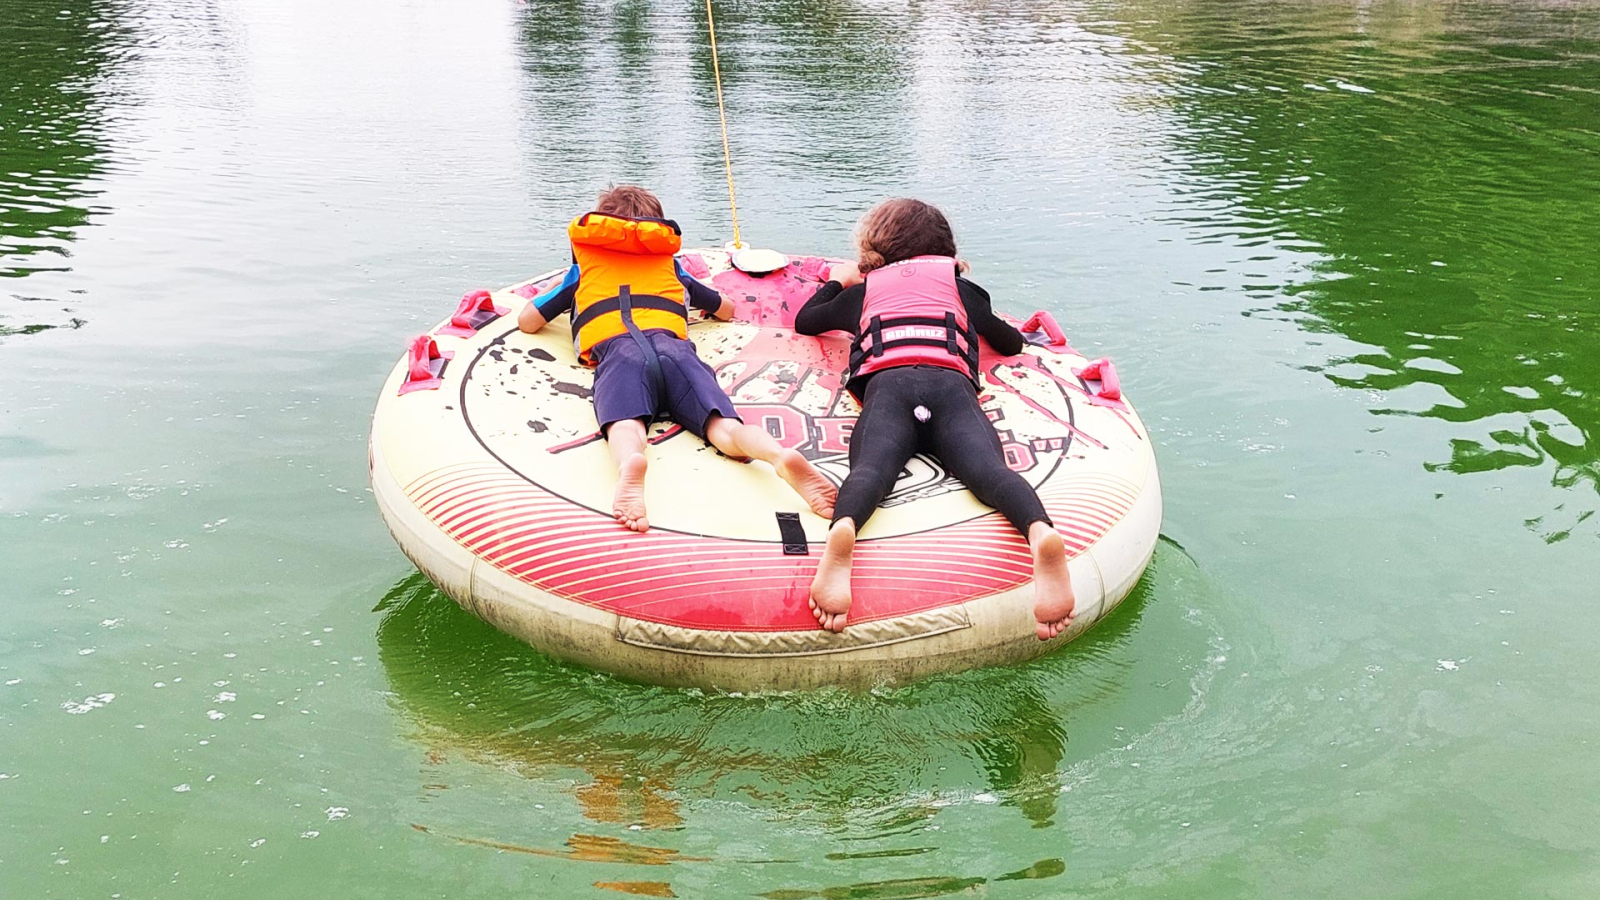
(1343, 253)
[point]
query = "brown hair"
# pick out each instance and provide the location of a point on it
(629, 200)
(900, 229)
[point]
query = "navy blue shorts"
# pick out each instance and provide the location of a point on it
(689, 390)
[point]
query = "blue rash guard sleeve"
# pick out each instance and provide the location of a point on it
(558, 299)
(700, 295)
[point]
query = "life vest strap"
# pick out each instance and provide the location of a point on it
(875, 331)
(652, 362)
(636, 301)
(926, 321)
(859, 351)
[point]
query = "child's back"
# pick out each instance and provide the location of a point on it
(629, 300)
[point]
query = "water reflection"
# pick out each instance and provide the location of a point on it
(874, 765)
(1439, 163)
(51, 149)
(628, 93)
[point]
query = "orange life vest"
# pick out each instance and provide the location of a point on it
(627, 279)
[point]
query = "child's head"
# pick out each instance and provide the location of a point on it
(629, 201)
(900, 229)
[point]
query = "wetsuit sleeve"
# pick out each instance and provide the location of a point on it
(700, 295)
(832, 308)
(558, 299)
(1001, 335)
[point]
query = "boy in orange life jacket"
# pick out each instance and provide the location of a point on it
(629, 300)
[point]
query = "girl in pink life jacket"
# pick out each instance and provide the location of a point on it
(914, 368)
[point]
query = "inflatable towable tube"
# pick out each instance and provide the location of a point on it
(490, 472)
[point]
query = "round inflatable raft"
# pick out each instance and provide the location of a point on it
(490, 472)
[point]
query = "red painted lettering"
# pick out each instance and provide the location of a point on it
(786, 424)
(834, 434)
(1018, 457)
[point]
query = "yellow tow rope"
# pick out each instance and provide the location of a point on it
(727, 158)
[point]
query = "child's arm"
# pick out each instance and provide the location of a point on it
(1001, 335)
(541, 309)
(723, 309)
(836, 306)
(833, 307)
(704, 297)
(530, 319)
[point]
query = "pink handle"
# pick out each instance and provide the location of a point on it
(694, 264)
(471, 302)
(424, 350)
(1105, 371)
(1046, 322)
(815, 267)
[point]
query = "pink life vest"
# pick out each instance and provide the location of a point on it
(913, 316)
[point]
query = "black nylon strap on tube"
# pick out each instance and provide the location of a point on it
(794, 536)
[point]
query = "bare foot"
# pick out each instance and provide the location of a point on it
(830, 590)
(1053, 601)
(628, 503)
(818, 492)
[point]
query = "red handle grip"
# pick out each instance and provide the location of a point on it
(1105, 371)
(1042, 320)
(424, 350)
(471, 302)
(815, 267)
(695, 265)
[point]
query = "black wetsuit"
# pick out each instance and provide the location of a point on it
(955, 431)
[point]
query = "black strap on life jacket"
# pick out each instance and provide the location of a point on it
(954, 336)
(652, 362)
(636, 301)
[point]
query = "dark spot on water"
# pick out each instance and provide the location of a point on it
(497, 356)
(448, 406)
(786, 378)
(577, 390)
(538, 353)
(882, 854)
(537, 426)
(513, 369)
(6, 330)
(641, 888)
(1044, 868)
(897, 889)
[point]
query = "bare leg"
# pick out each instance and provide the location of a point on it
(747, 441)
(1053, 601)
(830, 590)
(626, 441)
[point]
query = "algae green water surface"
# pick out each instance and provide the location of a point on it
(1343, 253)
